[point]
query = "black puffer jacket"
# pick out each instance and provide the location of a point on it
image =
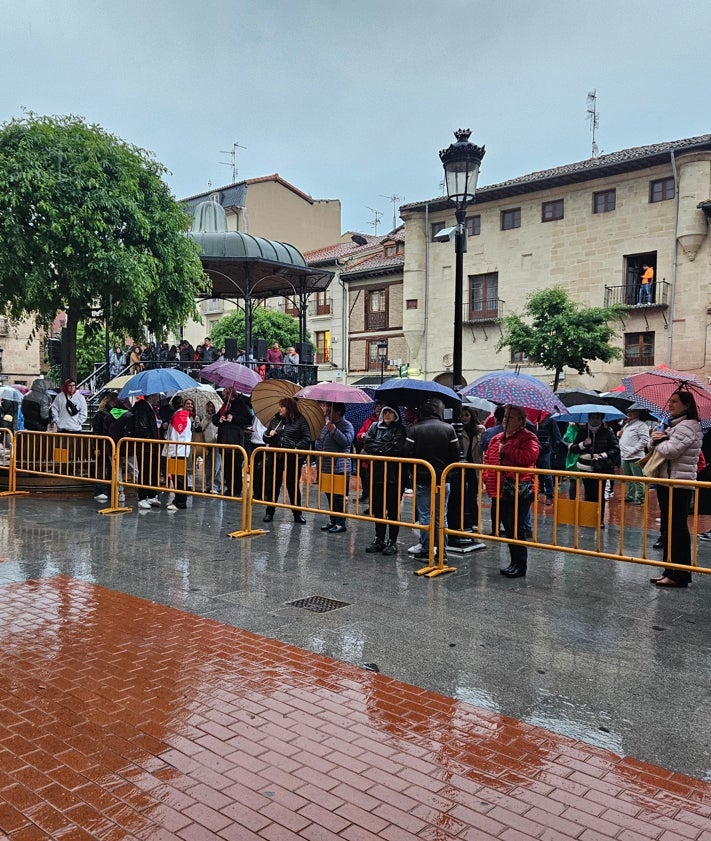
(35, 406)
(295, 434)
(382, 439)
(432, 440)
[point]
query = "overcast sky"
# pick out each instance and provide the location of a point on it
(354, 100)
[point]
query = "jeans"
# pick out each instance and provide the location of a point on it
(645, 294)
(422, 503)
(544, 463)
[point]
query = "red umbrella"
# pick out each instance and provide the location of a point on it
(335, 393)
(652, 389)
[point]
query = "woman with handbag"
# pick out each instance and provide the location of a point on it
(516, 446)
(287, 429)
(680, 445)
(596, 446)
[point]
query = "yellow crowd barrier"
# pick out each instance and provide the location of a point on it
(572, 521)
(166, 467)
(7, 447)
(298, 480)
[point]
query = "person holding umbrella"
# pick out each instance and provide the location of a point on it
(597, 448)
(336, 437)
(516, 446)
(231, 421)
(288, 429)
(680, 445)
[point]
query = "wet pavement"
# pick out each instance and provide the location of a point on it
(157, 684)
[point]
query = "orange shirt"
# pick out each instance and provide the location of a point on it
(648, 276)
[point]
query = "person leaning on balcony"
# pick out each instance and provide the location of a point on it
(291, 364)
(634, 440)
(646, 284)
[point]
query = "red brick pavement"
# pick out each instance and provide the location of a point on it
(122, 719)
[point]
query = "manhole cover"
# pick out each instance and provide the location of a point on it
(318, 604)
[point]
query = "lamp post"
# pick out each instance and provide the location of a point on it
(382, 356)
(461, 162)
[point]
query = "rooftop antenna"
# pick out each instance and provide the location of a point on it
(233, 161)
(594, 118)
(376, 221)
(394, 199)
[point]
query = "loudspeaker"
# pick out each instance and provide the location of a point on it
(306, 353)
(260, 349)
(231, 349)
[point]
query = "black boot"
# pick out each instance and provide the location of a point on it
(515, 572)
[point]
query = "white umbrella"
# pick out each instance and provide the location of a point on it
(201, 395)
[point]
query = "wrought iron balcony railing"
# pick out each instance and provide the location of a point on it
(631, 295)
(489, 310)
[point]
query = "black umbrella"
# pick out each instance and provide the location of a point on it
(574, 396)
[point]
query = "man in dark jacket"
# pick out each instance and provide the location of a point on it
(436, 442)
(35, 406)
(145, 425)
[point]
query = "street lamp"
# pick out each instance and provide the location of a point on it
(461, 162)
(382, 356)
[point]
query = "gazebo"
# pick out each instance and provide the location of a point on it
(253, 268)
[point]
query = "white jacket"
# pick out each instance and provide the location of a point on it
(681, 448)
(634, 440)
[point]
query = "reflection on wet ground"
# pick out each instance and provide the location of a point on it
(132, 704)
(122, 719)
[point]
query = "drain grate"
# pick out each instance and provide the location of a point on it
(318, 604)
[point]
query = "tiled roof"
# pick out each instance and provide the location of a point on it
(377, 262)
(247, 181)
(341, 250)
(627, 160)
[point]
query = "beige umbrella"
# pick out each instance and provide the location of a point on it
(265, 402)
(201, 395)
(118, 382)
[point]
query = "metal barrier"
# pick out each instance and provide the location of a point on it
(7, 459)
(154, 465)
(276, 474)
(583, 517)
(78, 456)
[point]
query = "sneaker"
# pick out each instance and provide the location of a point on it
(408, 491)
(154, 502)
(144, 503)
(101, 498)
(171, 499)
(706, 535)
(171, 507)
(413, 550)
(376, 546)
(390, 548)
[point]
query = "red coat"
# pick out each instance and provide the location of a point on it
(520, 450)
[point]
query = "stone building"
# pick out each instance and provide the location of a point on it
(588, 227)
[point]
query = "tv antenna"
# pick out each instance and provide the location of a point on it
(376, 221)
(594, 118)
(394, 199)
(233, 161)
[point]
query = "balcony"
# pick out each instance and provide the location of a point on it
(323, 309)
(489, 310)
(627, 296)
(377, 320)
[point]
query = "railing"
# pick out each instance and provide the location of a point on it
(376, 321)
(489, 310)
(629, 295)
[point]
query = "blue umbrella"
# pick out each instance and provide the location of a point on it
(155, 381)
(358, 413)
(402, 391)
(580, 413)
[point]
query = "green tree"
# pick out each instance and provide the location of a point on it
(84, 218)
(557, 333)
(266, 324)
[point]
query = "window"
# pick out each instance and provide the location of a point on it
(661, 190)
(484, 297)
(323, 303)
(436, 227)
(639, 349)
(411, 304)
(604, 201)
(518, 357)
(552, 210)
(510, 219)
(377, 309)
(323, 347)
(374, 355)
(472, 225)
(634, 269)
(290, 307)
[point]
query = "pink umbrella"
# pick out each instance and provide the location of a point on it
(335, 393)
(231, 375)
